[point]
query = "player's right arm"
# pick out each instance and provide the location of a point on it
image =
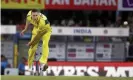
(25, 29)
(27, 24)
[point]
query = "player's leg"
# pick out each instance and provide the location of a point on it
(45, 51)
(31, 53)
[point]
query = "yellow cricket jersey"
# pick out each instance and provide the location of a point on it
(43, 23)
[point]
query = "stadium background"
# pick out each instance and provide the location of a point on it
(73, 45)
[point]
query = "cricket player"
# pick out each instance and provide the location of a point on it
(41, 30)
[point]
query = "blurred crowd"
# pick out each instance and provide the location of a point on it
(77, 18)
(72, 18)
(5, 64)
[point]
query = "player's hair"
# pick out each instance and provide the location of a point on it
(35, 10)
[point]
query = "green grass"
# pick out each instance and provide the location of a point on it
(60, 78)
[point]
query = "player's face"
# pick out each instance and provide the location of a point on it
(34, 15)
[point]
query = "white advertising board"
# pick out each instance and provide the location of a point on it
(85, 31)
(76, 31)
(8, 29)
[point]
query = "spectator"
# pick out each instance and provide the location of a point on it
(11, 22)
(80, 23)
(71, 22)
(63, 22)
(55, 23)
(4, 64)
(109, 24)
(21, 66)
(88, 23)
(118, 21)
(98, 23)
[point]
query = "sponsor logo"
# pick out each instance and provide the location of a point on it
(95, 2)
(128, 3)
(105, 31)
(109, 71)
(88, 31)
(82, 2)
(59, 30)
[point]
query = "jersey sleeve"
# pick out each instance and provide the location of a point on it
(28, 17)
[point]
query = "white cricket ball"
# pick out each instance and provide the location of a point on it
(125, 22)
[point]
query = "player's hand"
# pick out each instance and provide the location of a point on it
(22, 33)
(29, 44)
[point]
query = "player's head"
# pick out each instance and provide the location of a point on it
(35, 14)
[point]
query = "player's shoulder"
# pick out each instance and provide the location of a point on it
(43, 16)
(29, 13)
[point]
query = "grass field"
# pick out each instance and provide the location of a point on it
(59, 78)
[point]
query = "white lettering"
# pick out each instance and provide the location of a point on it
(112, 72)
(112, 2)
(27, 72)
(61, 2)
(48, 71)
(67, 2)
(86, 2)
(69, 70)
(130, 69)
(44, 73)
(103, 2)
(91, 2)
(47, 1)
(92, 71)
(77, 2)
(81, 70)
(56, 2)
(56, 70)
(95, 2)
